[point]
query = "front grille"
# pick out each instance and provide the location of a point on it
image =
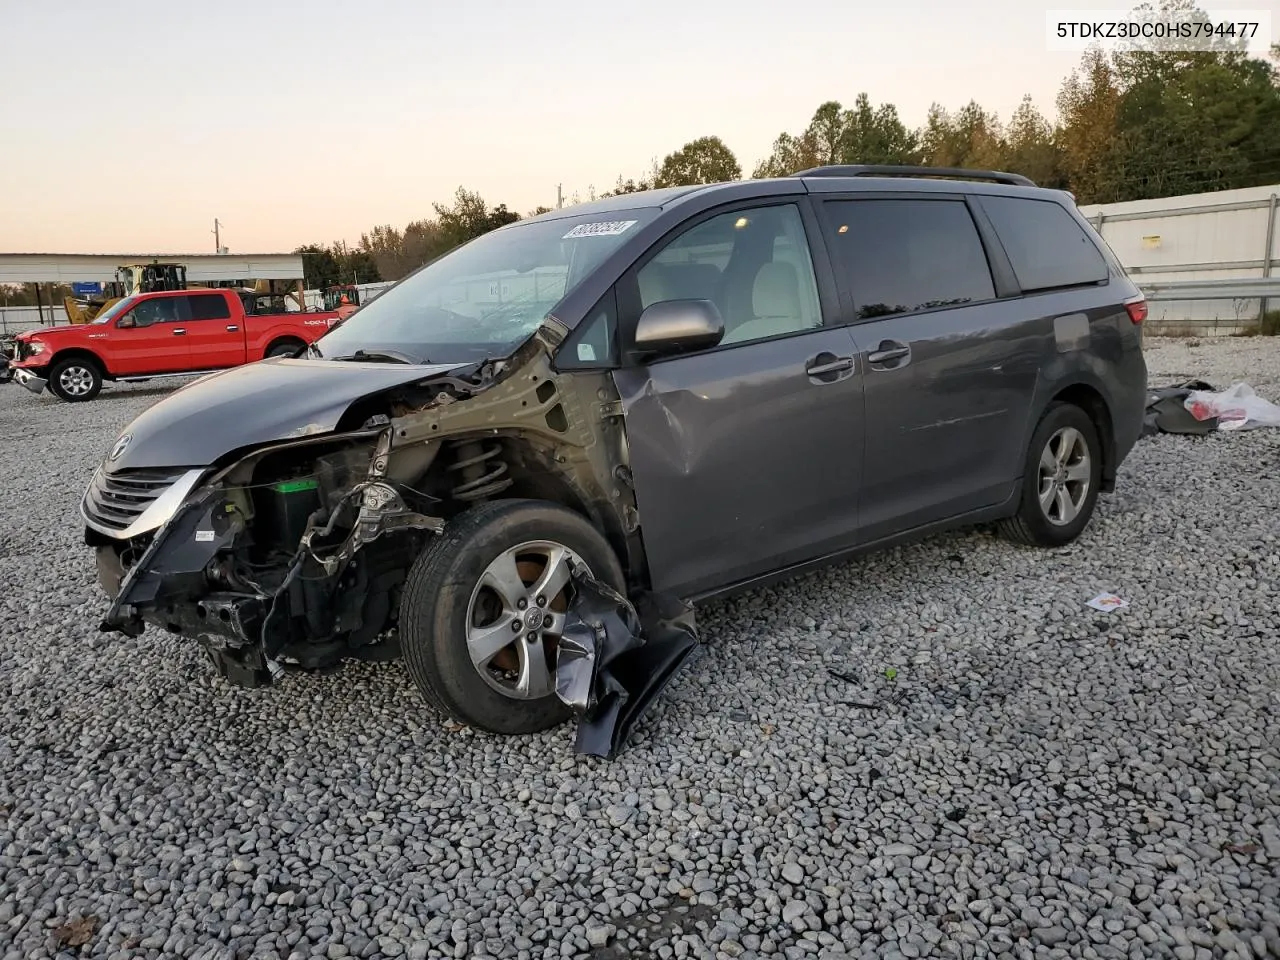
(115, 500)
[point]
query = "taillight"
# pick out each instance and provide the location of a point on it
(1137, 309)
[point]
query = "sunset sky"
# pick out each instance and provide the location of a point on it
(129, 126)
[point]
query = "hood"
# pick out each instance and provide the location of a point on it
(45, 331)
(251, 405)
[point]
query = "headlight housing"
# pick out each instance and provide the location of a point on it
(36, 346)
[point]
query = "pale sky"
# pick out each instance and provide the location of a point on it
(130, 125)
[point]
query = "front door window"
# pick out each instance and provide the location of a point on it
(753, 264)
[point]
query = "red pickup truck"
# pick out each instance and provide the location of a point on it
(165, 334)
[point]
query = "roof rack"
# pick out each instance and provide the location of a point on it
(877, 170)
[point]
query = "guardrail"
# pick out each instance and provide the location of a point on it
(1247, 289)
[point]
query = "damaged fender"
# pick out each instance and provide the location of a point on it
(614, 659)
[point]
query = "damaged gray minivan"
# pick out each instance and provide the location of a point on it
(660, 396)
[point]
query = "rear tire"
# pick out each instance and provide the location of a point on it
(448, 604)
(1060, 480)
(287, 348)
(75, 380)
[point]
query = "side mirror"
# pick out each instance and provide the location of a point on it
(126, 322)
(674, 326)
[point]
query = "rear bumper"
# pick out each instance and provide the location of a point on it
(1128, 401)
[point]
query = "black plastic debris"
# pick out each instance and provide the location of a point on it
(1167, 414)
(614, 658)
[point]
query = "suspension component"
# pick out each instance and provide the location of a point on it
(481, 471)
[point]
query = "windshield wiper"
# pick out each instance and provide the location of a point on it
(380, 356)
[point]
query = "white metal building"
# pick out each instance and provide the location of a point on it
(101, 267)
(1230, 234)
(72, 268)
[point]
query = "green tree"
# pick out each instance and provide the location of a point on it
(790, 154)
(826, 136)
(863, 134)
(1088, 109)
(1191, 121)
(320, 268)
(705, 160)
(469, 217)
(384, 245)
(969, 138)
(1030, 148)
(25, 295)
(877, 135)
(394, 253)
(628, 186)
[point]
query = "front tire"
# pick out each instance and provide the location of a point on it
(75, 380)
(467, 611)
(1060, 480)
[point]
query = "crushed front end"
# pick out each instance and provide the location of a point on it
(279, 558)
(294, 552)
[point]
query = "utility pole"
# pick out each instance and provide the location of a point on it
(217, 239)
(559, 195)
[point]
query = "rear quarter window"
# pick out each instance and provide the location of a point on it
(1047, 248)
(209, 306)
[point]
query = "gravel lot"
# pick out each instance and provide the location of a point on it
(1037, 780)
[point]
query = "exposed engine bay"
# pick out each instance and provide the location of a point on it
(294, 555)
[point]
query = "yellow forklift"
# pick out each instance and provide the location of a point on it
(130, 279)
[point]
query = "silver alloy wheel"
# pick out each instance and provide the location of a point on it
(516, 615)
(76, 380)
(1064, 476)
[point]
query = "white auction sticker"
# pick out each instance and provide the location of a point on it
(204, 536)
(604, 228)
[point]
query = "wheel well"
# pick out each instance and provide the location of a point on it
(288, 340)
(85, 356)
(1091, 402)
(534, 475)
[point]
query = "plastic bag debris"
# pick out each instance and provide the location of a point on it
(1106, 602)
(1166, 412)
(1236, 408)
(614, 658)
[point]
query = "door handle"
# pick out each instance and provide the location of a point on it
(832, 366)
(232, 328)
(179, 332)
(890, 350)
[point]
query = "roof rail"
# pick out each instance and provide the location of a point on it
(877, 170)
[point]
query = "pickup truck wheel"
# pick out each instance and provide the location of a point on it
(288, 348)
(75, 380)
(484, 607)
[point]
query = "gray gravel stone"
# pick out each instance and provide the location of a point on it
(1050, 782)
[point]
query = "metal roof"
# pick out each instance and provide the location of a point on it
(201, 267)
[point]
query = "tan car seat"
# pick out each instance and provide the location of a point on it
(775, 301)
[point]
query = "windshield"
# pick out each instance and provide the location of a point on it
(113, 311)
(487, 297)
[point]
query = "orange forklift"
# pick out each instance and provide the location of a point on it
(343, 298)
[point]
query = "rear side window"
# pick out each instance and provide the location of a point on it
(209, 307)
(903, 256)
(1046, 246)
